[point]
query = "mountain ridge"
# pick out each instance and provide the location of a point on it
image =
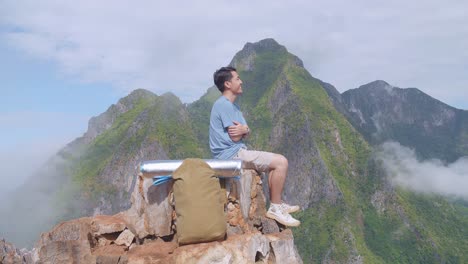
(383, 112)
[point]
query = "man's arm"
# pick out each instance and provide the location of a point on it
(238, 131)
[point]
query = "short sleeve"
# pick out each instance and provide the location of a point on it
(227, 115)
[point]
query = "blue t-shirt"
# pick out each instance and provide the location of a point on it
(223, 114)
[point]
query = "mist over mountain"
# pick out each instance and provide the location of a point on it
(353, 212)
(427, 176)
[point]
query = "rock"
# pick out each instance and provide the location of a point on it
(104, 241)
(233, 230)
(152, 252)
(234, 215)
(105, 224)
(247, 248)
(9, 253)
(68, 251)
(30, 257)
(283, 249)
(133, 245)
(244, 185)
(269, 226)
(68, 242)
(73, 230)
(258, 199)
(151, 212)
(110, 254)
(125, 238)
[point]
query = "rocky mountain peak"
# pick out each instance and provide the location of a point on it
(104, 121)
(172, 98)
(137, 94)
(268, 43)
(377, 84)
(375, 88)
(245, 58)
(385, 93)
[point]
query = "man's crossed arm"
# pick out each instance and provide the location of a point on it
(238, 131)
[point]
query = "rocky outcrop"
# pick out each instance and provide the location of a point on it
(10, 254)
(152, 212)
(147, 233)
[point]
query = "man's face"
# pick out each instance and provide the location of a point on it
(235, 84)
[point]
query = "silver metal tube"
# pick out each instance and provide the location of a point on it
(224, 168)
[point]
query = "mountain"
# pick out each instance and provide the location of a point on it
(352, 213)
(95, 173)
(382, 112)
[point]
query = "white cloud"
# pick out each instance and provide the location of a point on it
(429, 176)
(177, 45)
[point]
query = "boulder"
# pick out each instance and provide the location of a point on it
(125, 238)
(283, 249)
(151, 212)
(67, 251)
(68, 242)
(73, 230)
(105, 224)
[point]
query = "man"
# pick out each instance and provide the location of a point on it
(228, 128)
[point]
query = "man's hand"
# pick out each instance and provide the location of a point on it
(237, 131)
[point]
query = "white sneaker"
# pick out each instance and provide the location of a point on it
(289, 208)
(275, 212)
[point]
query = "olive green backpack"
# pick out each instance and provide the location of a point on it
(199, 203)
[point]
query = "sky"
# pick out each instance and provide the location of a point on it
(62, 62)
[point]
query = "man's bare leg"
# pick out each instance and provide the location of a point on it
(279, 211)
(277, 176)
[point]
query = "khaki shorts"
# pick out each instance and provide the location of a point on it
(257, 160)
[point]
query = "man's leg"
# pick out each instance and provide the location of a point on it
(278, 171)
(279, 210)
(275, 164)
(278, 166)
(277, 176)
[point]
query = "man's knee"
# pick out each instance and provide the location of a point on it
(279, 161)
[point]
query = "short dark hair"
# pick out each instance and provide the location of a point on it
(223, 75)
